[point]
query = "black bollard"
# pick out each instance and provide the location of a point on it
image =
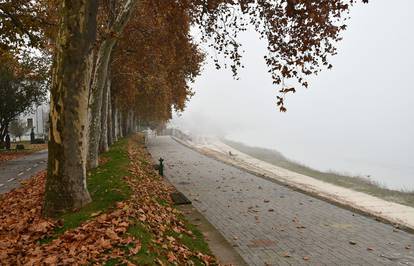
(161, 167)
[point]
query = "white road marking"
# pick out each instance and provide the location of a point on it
(11, 179)
(20, 173)
(28, 169)
(35, 165)
(1, 185)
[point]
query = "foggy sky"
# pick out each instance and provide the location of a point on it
(355, 118)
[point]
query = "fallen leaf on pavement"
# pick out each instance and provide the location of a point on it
(286, 254)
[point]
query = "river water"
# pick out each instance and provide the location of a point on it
(397, 174)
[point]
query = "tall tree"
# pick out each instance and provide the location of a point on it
(155, 78)
(18, 128)
(23, 85)
(114, 28)
(26, 23)
(301, 35)
(66, 181)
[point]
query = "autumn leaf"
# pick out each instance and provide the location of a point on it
(171, 257)
(106, 244)
(52, 260)
(94, 214)
(136, 249)
(286, 254)
(111, 234)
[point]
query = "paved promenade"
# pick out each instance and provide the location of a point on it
(385, 210)
(270, 224)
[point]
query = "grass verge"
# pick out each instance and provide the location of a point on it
(128, 177)
(106, 186)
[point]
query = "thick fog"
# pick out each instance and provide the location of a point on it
(356, 118)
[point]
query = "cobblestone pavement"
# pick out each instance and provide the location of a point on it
(270, 224)
(14, 171)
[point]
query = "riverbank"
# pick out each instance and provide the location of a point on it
(402, 216)
(357, 183)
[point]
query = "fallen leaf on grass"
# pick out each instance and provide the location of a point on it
(96, 214)
(136, 249)
(159, 262)
(104, 235)
(171, 257)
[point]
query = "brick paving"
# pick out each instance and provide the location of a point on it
(270, 224)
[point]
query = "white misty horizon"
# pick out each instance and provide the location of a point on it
(356, 118)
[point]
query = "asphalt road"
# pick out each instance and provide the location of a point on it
(14, 171)
(271, 224)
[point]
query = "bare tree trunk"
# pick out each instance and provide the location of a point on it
(115, 122)
(124, 124)
(100, 79)
(66, 178)
(3, 132)
(120, 124)
(103, 145)
(134, 123)
(109, 117)
(131, 122)
(128, 123)
(96, 98)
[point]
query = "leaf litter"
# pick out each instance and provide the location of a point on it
(104, 236)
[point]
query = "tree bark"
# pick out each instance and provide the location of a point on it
(120, 124)
(131, 122)
(3, 132)
(66, 177)
(103, 145)
(115, 122)
(134, 122)
(100, 77)
(109, 117)
(126, 123)
(96, 97)
(126, 126)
